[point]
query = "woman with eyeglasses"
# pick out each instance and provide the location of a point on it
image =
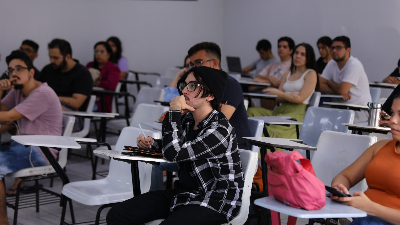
(117, 58)
(109, 73)
(294, 92)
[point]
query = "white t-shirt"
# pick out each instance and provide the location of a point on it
(353, 73)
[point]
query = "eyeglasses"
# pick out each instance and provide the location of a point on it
(18, 70)
(191, 86)
(25, 50)
(332, 48)
(100, 51)
(198, 63)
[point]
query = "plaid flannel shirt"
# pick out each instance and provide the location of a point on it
(214, 158)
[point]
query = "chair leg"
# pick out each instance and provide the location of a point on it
(94, 167)
(64, 208)
(71, 209)
(16, 205)
(37, 194)
(97, 222)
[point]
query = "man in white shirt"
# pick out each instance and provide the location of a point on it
(345, 75)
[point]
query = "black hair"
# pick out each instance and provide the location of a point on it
(310, 60)
(63, 45)
(108, 49)
(17, 54)
(398, 63)
(263, 44)
(118, 54)
(32, 44)
(325, 40)
(184, 62)
(344, 39)
(288, 40)
(206, 91)
(212, 50)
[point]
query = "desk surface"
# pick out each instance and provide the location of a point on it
(154, 125)
(118, 155)
(383, 85)
(331, 96)
(50, 141)
(278, 142)
(278, 120)
(341, 105)
(332, 209)
(258, 95)
(252, 83)
(366, 127)
(91, 114)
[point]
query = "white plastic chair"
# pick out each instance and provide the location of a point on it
(144, 113)
(382, 100)
(246, 104)
(147, 95)
(86, 122)
(171, 72)
(314, 100)
(249, 165)
(375, 93)
(117, 186)
(114, 102)
(163, 82)
(319, 119)
(256, 130)
(41, 172)
(335, 152)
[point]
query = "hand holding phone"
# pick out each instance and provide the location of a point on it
(336, 192)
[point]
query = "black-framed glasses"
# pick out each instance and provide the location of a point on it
(339, 47)
(198, 63)
(25, 50)
(18, 70)
(191, 86)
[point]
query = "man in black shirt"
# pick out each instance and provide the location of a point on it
(70, 80)
(31, 48)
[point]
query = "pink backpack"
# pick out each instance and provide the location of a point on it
(294, 184)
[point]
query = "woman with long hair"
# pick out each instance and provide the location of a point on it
(109, 73)
(117, 58)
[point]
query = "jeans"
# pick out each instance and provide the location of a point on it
(157, 182)
(369, 220)
(155, 205)
(16, 157)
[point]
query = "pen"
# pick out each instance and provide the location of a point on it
(142, 131)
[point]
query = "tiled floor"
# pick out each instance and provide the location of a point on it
(78, 169)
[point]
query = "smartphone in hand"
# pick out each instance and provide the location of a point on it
(336, 192)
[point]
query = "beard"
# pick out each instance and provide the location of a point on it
(61, 66)
(339, 59)
(18, 86)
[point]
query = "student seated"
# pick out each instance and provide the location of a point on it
(109, 73)
(117, 58)
(379, 165)
(394, 77)
(324, 44)
(37, 111)
(203, 143)
(294, 92)
(266, 57)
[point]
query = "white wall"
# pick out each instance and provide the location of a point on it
(373, 27)
(155, 34)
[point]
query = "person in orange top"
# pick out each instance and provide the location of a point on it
(380, 165)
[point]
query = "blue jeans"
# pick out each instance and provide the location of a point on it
(16, 157)
(369, 220)
(157, 182)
